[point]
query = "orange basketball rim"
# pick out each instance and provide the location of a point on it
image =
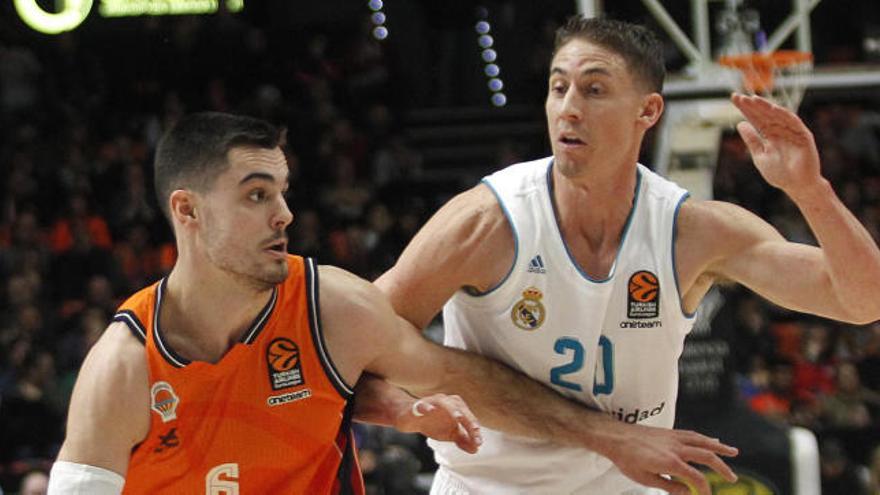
(759, 68)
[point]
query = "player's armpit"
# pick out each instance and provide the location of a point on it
(109, 409)
(362, 334)
(378, 402)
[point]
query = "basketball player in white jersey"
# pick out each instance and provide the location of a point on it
(584, 270)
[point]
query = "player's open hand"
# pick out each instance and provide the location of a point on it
(443, 417)
(649, 455)
(782, 147)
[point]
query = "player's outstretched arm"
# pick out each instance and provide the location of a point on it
(834, 280)
(108, 415)
(502, 398)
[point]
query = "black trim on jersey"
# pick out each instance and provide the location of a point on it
(261, 319)
(349, 477)
(166, 351)
(133, 323)
(318, 335)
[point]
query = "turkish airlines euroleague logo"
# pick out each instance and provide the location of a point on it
(644, 295)
(285, 369)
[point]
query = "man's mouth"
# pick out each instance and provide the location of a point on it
(278, 247)
(570, 140)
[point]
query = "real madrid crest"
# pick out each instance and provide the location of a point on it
(528, 313)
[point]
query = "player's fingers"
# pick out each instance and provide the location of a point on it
(472, 427)
(667, 485)
(746, 104)
(692, 476)
(771, 119)
(422, 407)
(462, 413)
(711, 461)
(754, 107)
(465, 441)
(467, 418)
(695, 439)
(760, 113)
(751, 137)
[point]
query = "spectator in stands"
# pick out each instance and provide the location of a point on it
(874, 472)
(839, 474)
(346, 197)
(78, 220)
(34, 483)
(847, 408)
(776, 401)
(814, 371)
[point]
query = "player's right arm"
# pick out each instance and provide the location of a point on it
(108, 416)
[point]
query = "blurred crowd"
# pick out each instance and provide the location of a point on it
(80, 228)
(808, 371)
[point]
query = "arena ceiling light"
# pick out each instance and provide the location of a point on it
(380, 31)
(487, 52)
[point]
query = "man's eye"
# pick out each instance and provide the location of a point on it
(257, 195)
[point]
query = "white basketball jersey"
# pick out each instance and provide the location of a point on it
(612, 344)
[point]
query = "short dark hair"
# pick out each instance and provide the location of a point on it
(638, 45)
(195, 150)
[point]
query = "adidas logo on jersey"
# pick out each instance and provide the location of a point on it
(637, 415)
(536, 265)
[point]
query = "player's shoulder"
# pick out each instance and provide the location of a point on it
(109, 407)
(118, 358)
(702, 213)
(474, 215)
(710, 230)
(355, 318)
(339, 282)
(344, 294)
(478, 200)
(710, 219)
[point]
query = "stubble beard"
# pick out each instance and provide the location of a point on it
(264, 278)
(250, 273)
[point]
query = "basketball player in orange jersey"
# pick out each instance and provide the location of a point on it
(234, 374)
(585, 269)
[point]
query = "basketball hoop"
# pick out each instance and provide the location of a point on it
(780, 76)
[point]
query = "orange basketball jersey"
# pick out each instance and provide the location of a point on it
(271, 417)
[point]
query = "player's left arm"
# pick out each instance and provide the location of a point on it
(838, 279)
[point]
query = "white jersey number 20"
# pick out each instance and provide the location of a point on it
(604, 365)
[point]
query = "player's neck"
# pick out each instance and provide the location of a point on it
(592, 212)
(205, 313)
(595, 202)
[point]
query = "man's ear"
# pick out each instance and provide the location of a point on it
(651, 110)
(183, 207)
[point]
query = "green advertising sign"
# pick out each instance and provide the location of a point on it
(72, 13)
